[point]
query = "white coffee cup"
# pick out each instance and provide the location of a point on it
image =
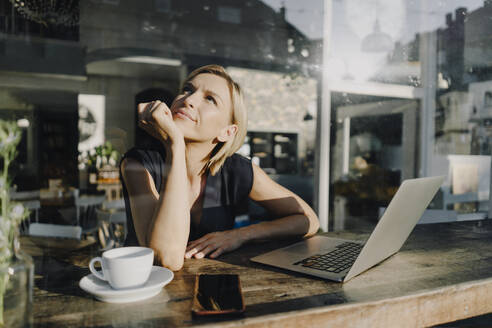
(124, 267)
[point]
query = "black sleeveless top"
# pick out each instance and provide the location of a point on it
(225, 196)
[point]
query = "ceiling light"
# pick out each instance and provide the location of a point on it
(151, 60)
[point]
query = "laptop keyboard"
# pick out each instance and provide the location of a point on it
(337, 260)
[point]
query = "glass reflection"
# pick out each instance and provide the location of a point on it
(439, 51)
(410, 82)
(84, 65)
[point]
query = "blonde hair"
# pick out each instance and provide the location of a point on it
(239, 117)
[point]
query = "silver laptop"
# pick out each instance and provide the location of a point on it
(339, 259)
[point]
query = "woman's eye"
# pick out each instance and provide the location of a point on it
(212, 100)
(187, 89)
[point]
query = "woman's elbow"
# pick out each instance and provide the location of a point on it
(174, 265)
(313, 225)
(171, 260)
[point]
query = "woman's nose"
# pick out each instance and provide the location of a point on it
(191, 100)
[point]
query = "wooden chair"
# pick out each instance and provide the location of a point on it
(85, 207)
(118, 219)
(113, 227)
(104, 234)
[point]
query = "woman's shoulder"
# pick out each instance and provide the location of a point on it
(237, 162)
(152, 160)
(145, 155)
(238, 174)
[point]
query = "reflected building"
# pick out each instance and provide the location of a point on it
(463, 116)
(380, 137)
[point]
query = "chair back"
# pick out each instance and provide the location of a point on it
(89, 200)
(103, 215)
(114, 204)
(55, 230)
(85, 210)
(25, 195)
(33, 205)
(114, 228)
(118, 217)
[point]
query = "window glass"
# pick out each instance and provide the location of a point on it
(73, 73)
(405, 84)
(463, 111)
(229, 15)
(409, 98)
(375, 41)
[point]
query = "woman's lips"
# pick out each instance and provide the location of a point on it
(184, 114)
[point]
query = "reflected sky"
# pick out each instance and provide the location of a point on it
(355, 23)
(307, 15)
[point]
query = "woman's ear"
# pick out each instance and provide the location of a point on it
(227, 133)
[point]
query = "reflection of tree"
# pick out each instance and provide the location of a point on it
(49, 12)
(54, 19)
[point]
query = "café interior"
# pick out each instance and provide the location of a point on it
(346, 99)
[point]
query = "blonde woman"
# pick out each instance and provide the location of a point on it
(181, 199)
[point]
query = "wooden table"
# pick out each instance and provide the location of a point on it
(443, 273)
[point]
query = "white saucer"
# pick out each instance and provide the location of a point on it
(101, 290)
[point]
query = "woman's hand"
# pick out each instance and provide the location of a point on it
(157, 120)
(215, 244)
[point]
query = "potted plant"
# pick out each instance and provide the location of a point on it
(101, 163)
(16, 267)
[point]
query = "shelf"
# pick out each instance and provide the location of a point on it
(282, 139)
(277, 151)
(260, 155)
(259, 141)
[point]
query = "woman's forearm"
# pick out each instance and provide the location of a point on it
(168, 233)
(293, 225)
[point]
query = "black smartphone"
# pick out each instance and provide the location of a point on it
(217, 294)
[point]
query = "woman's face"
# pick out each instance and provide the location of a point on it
(203, 108)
